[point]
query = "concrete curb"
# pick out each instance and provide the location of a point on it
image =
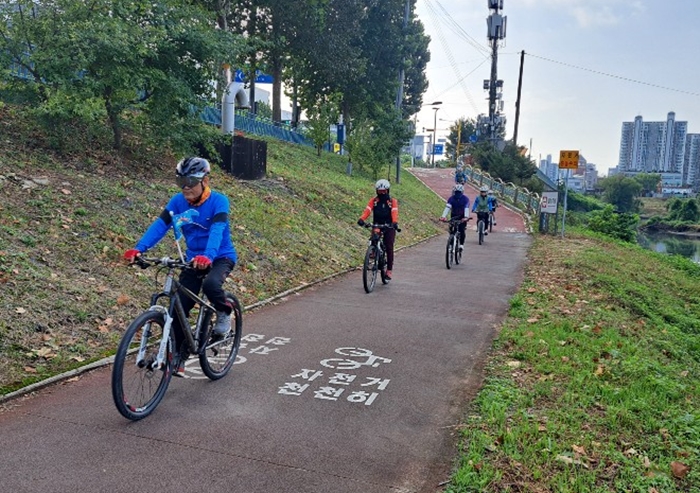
(107, 361)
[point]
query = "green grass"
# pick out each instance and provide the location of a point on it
(593, 381)
(61, 273)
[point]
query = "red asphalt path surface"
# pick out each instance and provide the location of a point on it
(335, 391)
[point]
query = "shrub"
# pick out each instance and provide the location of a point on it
(621, 226)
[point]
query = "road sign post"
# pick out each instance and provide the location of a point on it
(568, 160)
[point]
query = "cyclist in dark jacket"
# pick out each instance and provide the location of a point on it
(386, 211)
(458, 207)
(207, 236)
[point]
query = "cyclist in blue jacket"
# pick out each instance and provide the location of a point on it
(208, 239)
(482, 206)
(458, 207)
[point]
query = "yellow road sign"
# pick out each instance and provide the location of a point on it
(568, 159)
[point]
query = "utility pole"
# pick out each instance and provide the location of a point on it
(496, 24)
(517, 101)
(399, 91)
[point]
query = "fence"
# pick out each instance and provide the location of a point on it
(518, 196)
(248, 123)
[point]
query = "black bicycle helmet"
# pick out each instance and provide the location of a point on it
(193, 166)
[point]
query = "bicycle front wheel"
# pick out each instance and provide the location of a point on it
(449, 252)
(138, 384)
(480, 227)
(369, 269)
(455, 247)
(219, 352)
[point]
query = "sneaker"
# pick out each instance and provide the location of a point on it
(461, 248)
(494, 223)
(486, 233)
(388, 275)
(223, 323)
(179, 367)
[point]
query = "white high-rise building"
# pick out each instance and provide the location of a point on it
(549, 168)
(653, 147)
(691, 164)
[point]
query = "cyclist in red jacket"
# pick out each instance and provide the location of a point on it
(386, 211)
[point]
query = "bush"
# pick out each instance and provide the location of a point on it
(582, 203)
(621, 226)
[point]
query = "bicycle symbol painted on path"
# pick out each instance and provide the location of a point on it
(355, 388)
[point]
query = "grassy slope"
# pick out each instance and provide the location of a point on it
(593, 382)
(66, 295)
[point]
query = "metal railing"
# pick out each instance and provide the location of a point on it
(520, 197)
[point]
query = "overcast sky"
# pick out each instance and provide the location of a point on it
(648, 49)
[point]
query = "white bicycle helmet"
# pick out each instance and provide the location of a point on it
(484, 189)
(382, 185)
(458, 188)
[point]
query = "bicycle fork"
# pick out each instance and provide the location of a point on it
(159, 363)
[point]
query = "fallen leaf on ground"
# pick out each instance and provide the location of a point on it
(578, 449)
(30, 369)
(679, 469)
(19, 309)
(569, 460)
(533, 320)
(122, 299)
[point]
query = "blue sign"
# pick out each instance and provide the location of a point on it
(473, 138)
(260, 77)
(341, 133)
(438, 149)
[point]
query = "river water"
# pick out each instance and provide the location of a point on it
(688, 247)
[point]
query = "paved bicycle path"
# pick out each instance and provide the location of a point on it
(302, 411)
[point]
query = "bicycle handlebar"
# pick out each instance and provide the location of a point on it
(146, 262)
(382, 226)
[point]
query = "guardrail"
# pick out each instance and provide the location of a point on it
(520, 197)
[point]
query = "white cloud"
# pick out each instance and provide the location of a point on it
(593, 13)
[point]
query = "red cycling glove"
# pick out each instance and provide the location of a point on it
(201, 262)
(130, 255)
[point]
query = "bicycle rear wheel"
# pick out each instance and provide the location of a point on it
(490, 222)
(138, 385)
(480, 227)
(449, 252)
(369, 269)
(219, 353)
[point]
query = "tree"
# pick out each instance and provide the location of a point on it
(622, 192)
(105, 59)
(462, 129)
(321, 116)
(649, 182)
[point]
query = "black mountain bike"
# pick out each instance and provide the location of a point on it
(145, 358)
(453, 254)
(375, 257)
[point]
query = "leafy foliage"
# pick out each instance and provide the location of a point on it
(116, 60)
(622, 192)
(620, 226)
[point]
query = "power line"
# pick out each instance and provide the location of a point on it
(450, 58)
(619, 77)
(459, 31)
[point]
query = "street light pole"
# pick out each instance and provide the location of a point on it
(434, 136)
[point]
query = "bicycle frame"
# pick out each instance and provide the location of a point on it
(171, 290)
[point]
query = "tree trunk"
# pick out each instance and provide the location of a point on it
(277, 89)
(113, 115)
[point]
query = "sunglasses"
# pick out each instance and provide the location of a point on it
(188, 181)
